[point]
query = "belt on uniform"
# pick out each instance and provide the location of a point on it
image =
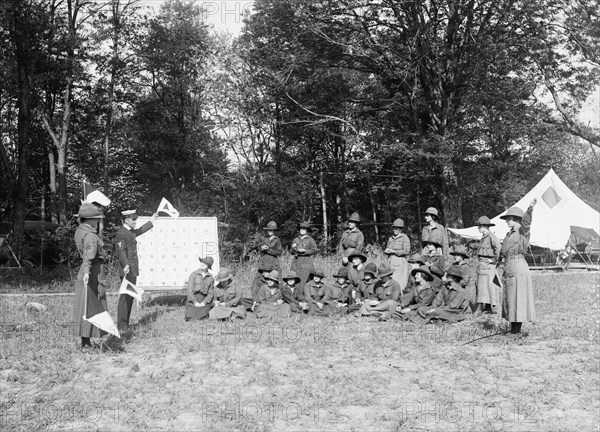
(486, 259)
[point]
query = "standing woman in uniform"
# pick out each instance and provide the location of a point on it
(397, 249)
(435, 232)
(352, 240)
(518, 305)
(271, 248)
(487, 293)
(303, 248)
(91, 273)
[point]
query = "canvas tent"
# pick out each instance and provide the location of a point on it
(557, 210)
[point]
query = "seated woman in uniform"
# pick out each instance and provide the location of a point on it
(422, 294)
(450, 304)
(337, 294)
(388, 294)
(314, 290)
(367, 289)
(461, 259)
(228, 298)
(270, 301)
(292, 294)
(433, 254)
(200, 291)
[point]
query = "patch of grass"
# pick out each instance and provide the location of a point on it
(304, 373)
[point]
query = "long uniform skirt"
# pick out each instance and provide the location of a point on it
(194, 313)
(224, 312)
(333, 309)
(82, 328)
(518, 295)
(487, 292)
(273, 310)
(401, 270)
(385, 308)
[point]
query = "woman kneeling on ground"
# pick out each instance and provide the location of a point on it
(228, 298)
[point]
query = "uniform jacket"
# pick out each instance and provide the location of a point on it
(89, 246)
(453, 296)
(400, 245)
(336, 293)
(437, 234)
(314, 292)
(489, 247)
(292, 297)
(269, 257)
(418, 297)
(265, 296)
(352, 242)
(200, 287)
(389, 290)
(231, 296)
(126, 248)
(303, 260)
(516, 242)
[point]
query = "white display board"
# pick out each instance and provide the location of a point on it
(169, 252)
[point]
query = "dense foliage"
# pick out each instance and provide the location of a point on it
(318, 109)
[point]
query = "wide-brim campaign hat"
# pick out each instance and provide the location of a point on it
(224, 275)
(266, 267)
(485, 221)
(436, 244)
(317, 272)
(514, 212)
(354, 217)
(423, 269)
(456, 271)
(272, 275)
(357, 255)
(271, 226)
(384, 270)
(304, 225)
(431, 211)
(341, 272)
(89, 211)
(398, 223)
(416, 258)
(460, 250)
(370, 268)
(436, 271)
(292, 275)
(209, 261)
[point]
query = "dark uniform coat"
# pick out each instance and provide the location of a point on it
(126, 249)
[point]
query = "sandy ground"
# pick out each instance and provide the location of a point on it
(305, 374)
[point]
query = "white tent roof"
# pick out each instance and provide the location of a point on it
(557, 209)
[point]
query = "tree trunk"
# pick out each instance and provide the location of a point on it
(374, 207)
(25, 96)
(451, 197)
(52, 175)
(324, 207)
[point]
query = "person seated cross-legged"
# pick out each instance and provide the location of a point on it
(228, 298)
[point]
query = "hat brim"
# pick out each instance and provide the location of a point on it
(270, 229)
(340, 276)
(460, 253)
(425, 243)
(387, 273)
(219, 280)
(428, 275)
(504, 217)
(92, 217)
(455, 275)
(361, 256)
(321, 275)
(271, 278)
(485, 224)
(297, 279)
